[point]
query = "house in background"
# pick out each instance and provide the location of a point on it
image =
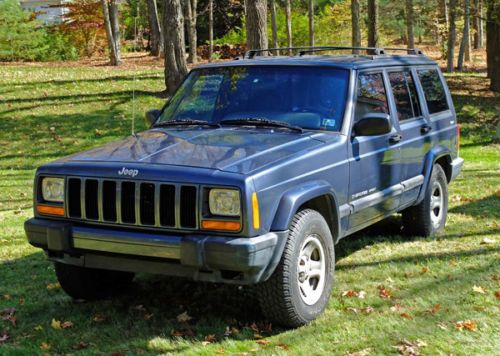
(46, 12)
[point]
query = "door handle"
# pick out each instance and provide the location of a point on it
(425, 128)
(395, 138)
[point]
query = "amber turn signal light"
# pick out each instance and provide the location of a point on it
(50, 210)
(221, 225)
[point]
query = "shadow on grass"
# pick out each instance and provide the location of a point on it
(488, 206)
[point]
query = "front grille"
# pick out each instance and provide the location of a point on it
(139, 203)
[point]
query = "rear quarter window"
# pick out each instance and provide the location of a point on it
(434, 91)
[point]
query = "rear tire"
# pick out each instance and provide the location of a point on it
(91, 284)
(429, 217)
(300, 287)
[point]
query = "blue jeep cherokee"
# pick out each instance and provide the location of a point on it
(251, 173)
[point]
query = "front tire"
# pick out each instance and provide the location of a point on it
(91, 284)
(429, 217)
(300, 287)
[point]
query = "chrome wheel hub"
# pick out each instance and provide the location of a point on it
(437, 204)
(311, 270)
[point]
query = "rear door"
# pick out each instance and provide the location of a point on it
(414, 127)
(374, 162)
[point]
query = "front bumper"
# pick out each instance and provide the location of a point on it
(200, 257)
(456, 167)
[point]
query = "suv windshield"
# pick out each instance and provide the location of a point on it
(308, 97)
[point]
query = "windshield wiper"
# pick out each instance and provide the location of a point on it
(261, 121)
(186, 122)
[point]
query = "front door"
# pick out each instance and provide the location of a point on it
(374, 167)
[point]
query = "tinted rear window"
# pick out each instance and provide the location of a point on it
(435, 95)
(405, 95)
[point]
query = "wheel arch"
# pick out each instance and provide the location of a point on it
(316, 195)
(438, 155)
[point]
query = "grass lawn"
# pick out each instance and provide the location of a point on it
(433, 296)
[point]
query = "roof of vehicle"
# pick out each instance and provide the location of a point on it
(349, 61)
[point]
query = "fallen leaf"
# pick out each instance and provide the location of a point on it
(367, 310)
(148, 316)
(56, 324)
(140, 307)
(67, 325)
(467, 325)
(351, 309)
(409, 348)
(284, 347)
(407, 316)
(497, 294)
(495, 278)
(9, 315)
(81, 345)
(4, 336)
(478, 289)
(205, 343)
(99, 318)
(435, 308)
(98, 132)
(363, 352)
(263, 342)
(424, 270)
(44, 346)
(353, 294)
(52, 286)
(453, 262)
(487, 241)
(22, 301)
(442, 326)
(383, 292)
(209, 338)
(6, 296)
(38, 328)
(183, 317)
(396, 307)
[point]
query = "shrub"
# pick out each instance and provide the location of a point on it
(21, 37)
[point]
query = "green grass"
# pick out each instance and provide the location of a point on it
(48, 112)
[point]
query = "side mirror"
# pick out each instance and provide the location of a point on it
(152, 116)
(373, 124)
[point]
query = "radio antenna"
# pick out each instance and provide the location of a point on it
(135, 70)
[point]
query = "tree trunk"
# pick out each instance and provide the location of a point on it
(493, 43)
(409, 24)
(274, 26)
(156, 36)
(257, 24)
(210, 29)
(356, 30)
(175, 58)
(480, 25)
(475, 24)
(311, 23)
(465, 36)
(288, 13)
(372, 23)
(452, 35)
(110, 23)
(190, 7)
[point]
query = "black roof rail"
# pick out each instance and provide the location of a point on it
(303, 50)
(407, 50)
(370, 50)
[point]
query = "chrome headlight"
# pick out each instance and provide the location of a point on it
(53, 189)
(225, 202)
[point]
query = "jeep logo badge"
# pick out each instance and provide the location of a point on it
(128, 172)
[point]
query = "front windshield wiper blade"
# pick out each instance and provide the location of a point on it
(261, 121)
(186, 122)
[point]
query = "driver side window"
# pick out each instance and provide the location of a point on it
(371, 95)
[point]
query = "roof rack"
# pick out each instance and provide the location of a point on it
(303, 50)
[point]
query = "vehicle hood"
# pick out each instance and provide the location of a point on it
(238, 150)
